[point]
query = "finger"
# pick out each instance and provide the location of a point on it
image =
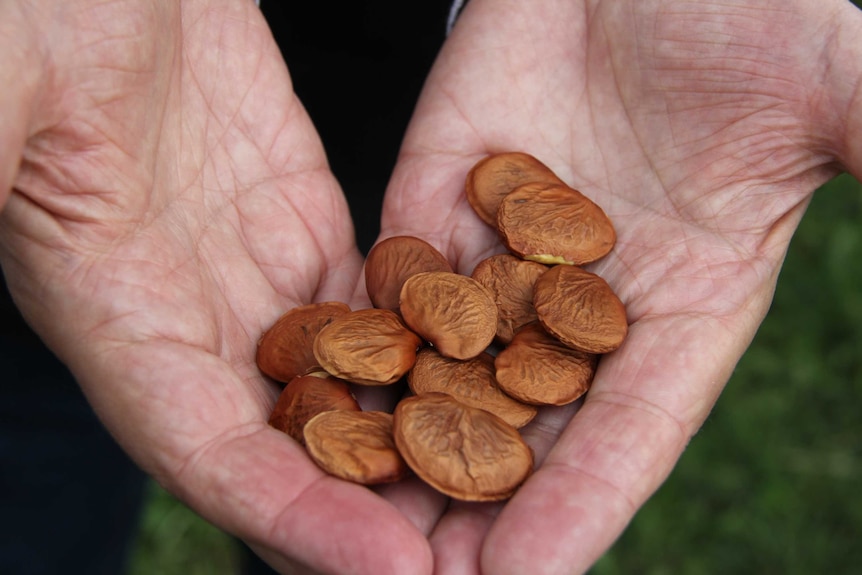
(457, 539)
(417, 501)
(268, 493)
(648, 399)
(199, 426)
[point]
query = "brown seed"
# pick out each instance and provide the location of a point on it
(306, 396)
(580, 309)
(454, 312)
(392, 261)
(470, 381)
(462, 451)
(356, 446)
(538, 369)
(554, 225)
(495, 176)
(511, 280)
(367, 346)
(285, 350)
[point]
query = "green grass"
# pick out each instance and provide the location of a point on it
(173, 540)
(771, 482)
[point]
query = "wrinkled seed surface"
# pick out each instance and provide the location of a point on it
(393, 260)
(580, 309)
(554, 225)
(470, 381)
(355, 445)
(462, 451)
(286, 349)
(496, 175)
(306, 396)
(368, 347)
(511, 281)
(455, 313)
(538, 369)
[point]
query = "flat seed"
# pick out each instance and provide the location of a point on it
(462, 451)
(455, 313)
(580, 309)
(538, 369)
(511, 282)
(470, 381)
(306, 396)
(391, 261)
(356, 446)
(286, 349)
(496, 175)
(554, 225)
(367, 346)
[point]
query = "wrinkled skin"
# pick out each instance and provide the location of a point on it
(174, 200)
(702, 129)
(166, 198)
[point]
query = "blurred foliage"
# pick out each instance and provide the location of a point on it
(173, 540)
(771, 482)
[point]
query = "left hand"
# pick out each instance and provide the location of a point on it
(702, 129)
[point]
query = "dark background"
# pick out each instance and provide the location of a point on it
(358, 68)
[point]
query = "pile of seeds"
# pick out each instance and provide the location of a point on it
(480, 353)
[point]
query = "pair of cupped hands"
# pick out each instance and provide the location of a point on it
(167, 198)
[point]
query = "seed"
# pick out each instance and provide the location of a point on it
(580, 309)
(538, 369)
(554, 225)
(495, 176)
(306, 396)
(367, 346)
(455, 313)
(285, 350)
(470, 381)
(355, 445)
(464, 452)
(393, 260)
(511, 282)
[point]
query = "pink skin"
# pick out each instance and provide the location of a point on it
(702, 129)
(172, 200)
(166, 198)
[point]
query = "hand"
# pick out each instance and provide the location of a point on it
(702, 129)
(172, 200)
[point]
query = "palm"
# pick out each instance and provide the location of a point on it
(692, 125)
(173, 201)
